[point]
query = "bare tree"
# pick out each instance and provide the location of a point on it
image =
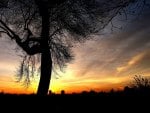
(141, 82)
(50, 27)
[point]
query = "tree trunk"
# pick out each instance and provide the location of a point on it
(46, 61)
(46, 68)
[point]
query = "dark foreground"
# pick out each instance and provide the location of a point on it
(91, 102)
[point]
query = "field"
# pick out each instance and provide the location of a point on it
(120, 101)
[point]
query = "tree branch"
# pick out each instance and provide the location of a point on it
(7, 28)
(57, 30)
(25, 45)
(31, 50)
(3, 32)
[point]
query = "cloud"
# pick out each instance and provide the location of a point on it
(109, 54)
(109, 61)
(138, 63)
(9, 59)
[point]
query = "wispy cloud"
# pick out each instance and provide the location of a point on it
(108, 55)
(140, 61)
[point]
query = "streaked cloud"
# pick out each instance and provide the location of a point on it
(141, 60)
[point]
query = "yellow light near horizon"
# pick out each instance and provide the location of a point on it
(58, 84)
(78, 85)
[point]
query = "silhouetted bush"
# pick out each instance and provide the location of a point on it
(141, 82)
(62, 92)
(140, 85)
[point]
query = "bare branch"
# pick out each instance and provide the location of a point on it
(126, 17)
(55, 32)
(3, 32)
(7, 28)
(31, 50)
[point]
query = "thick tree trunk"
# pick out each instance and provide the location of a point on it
(46, 61)
(46, 68)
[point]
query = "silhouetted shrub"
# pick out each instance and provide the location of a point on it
(62, 92)
(140, 85)
(141, 82)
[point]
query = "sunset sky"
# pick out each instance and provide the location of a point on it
(109, 60)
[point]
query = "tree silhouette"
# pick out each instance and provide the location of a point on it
(141, 83)
(49, 28)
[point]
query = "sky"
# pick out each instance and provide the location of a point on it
(109, 60)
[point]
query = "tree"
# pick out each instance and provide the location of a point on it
(141, 83)
(50, 27)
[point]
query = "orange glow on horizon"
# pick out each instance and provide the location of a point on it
(71, 87)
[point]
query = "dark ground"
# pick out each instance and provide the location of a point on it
(89, 102)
